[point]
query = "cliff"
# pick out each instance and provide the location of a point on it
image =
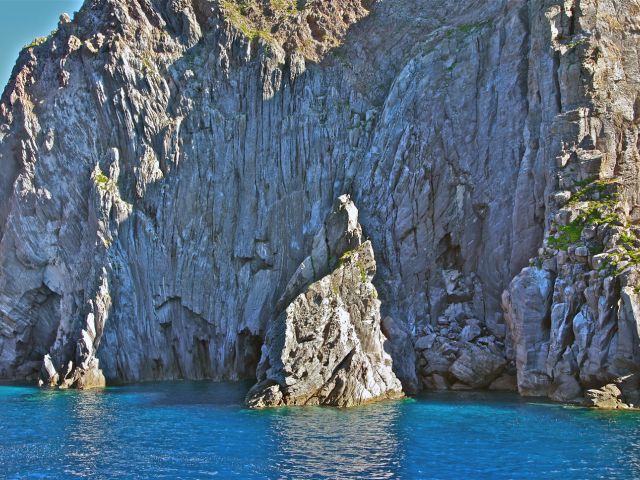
(167, 163)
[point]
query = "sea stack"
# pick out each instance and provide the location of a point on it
(327, 347)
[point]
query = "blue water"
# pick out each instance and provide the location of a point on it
(201, 430)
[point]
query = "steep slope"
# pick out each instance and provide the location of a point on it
(166, 164)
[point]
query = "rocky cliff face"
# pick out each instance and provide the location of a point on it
(573, 313)
(167, 163)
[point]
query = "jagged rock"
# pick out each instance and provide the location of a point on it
(561, 198)
(470, 332)
(328, 348)
(608, 397)
(49, 374)
(426, 342)
(194, 165)
(84, 377)
(178, 158)
(340, 234)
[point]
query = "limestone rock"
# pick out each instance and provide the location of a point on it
(608, 397)
(328, 348)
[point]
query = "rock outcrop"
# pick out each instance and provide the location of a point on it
(327, 348)
(622, 394)
(166, 165)
(608, 397)
(573, 313)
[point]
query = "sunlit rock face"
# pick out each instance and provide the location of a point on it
(166, 165)
(573, 314)
(327, 347)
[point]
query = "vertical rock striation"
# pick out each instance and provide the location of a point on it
(573, 313)
(166, 165)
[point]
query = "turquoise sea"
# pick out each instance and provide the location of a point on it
(201, 430)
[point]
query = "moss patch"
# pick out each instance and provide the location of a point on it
(239, 14)
(596, 201)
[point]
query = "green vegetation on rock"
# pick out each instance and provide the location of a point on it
(596, 201)
(36, 42)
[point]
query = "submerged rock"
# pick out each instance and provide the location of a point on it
(327, 348)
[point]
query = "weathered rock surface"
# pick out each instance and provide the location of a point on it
(608, 397)
(622, 393)
(328, 347)
(166, 165)
(573, 314)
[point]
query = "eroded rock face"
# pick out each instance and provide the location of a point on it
(462, 351)
(608, 397)
(166, 165)
(573, 314)
(327, 348)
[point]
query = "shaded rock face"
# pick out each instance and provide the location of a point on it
(461, 351)
(327, 348)
(166, 165)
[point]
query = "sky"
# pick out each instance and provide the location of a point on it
(23, 20)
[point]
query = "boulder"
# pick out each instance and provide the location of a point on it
(470, 332)
(608, 397)
(478, 367)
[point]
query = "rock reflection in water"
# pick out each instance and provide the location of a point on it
(200, 430)
(317, 442)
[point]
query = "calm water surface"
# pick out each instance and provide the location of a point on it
(201, 430)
